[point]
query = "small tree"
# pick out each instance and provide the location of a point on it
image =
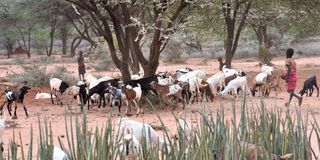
(264, 55)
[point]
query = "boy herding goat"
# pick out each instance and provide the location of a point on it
(16, 96)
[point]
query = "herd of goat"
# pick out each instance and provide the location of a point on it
(184, 86)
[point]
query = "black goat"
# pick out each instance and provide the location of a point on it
(83, 96)
(144, 83)
(308, 86)
(101, 89)
(17, 97)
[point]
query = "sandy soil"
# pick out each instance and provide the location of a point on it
(97, 117)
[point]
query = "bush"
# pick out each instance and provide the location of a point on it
(101, 60)
(174, 53)
(264, 55)
(37, 75)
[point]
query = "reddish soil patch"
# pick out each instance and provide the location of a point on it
(97, 117)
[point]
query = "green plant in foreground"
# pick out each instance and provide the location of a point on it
(277, 131)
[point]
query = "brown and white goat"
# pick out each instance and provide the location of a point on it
(133, 95)
(167, 91)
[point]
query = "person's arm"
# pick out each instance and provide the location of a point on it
(288, 72)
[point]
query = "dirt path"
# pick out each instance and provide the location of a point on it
(97, 117)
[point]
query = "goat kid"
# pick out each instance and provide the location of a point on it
(239, 82)
(133, 95)
(117, 97)
(17, 97)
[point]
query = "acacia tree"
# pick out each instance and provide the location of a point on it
(125, 25)
(235, 14)
(17, 18)
(85, 28)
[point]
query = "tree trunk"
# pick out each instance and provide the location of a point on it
(233, 33)
(8, 44)
(221, 64)
(64, 38)
(49, 51)
(29, 42)
(74, 44)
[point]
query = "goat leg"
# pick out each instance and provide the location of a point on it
(119, 107)
(317, 89)
(1, 108)
(311, 91)
(15, 111)
(136, 105)
(25, 110)
(51, 98)
(9, 107)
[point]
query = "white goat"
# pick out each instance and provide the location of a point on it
(228, 72)
(216, 80)
(42, 95)
(59, 154)
(199, 73)
(239, 82)
(194, 85)
(143, 132)
(266, 69)
(73, 92)
(166, 81)
(131, 146)
(136, 76)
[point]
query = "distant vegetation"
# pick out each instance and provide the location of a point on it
(199, 28)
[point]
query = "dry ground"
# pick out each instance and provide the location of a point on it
(97, 117)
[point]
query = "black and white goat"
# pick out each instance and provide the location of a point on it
(78, 91)
(144, 83)
(308, 86)
(102, 88)
(117, 97)
(17, 97)
(57, 85)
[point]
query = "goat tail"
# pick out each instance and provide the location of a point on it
(138, 85)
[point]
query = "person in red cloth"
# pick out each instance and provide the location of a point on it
(291, 76)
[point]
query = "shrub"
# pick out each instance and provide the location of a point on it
(37, 75)
(174, 53)
(264, 55)
(101, 60)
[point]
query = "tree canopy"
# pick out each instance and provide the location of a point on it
(138, 31)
